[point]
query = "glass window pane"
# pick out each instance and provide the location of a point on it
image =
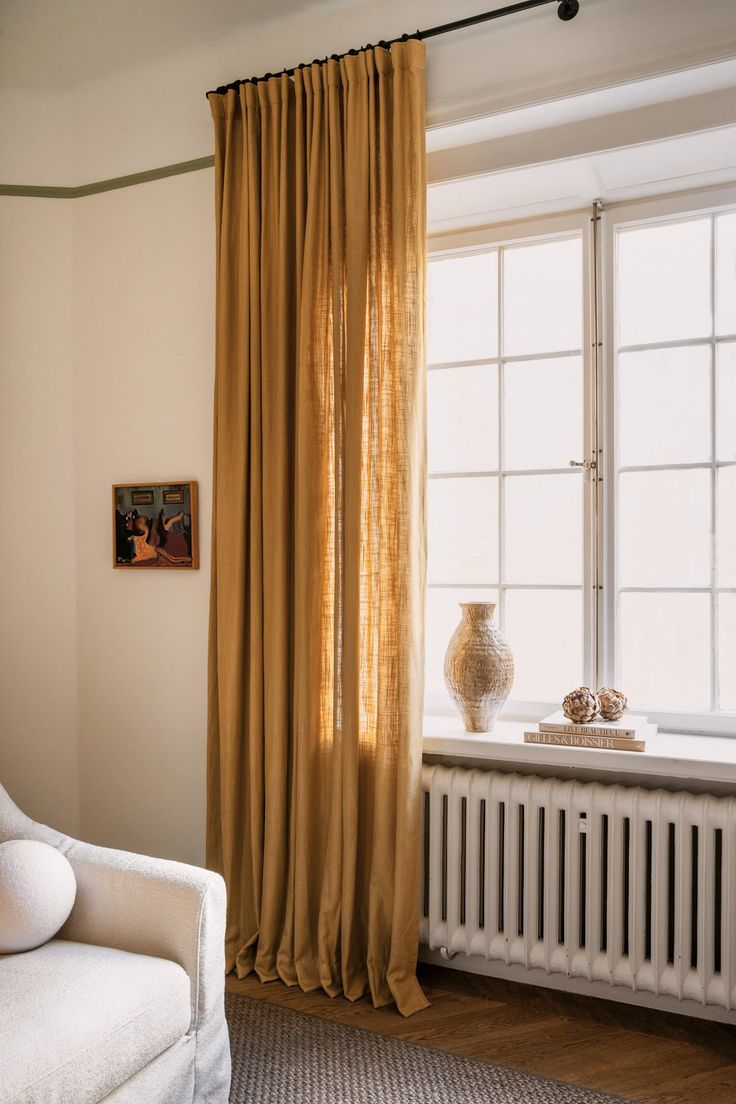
(664, 528)
(442, 618)
(726, 527)
(545, 631)
(462, 419)
(543, 413)
(664, 406)
(726, 401)
(543, 529)
(463, 308)
(726, 274)
(727, 651)
(663, 282)
(463, 530)
(543, 297)
(665, 651)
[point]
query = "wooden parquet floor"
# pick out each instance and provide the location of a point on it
(652, 1057)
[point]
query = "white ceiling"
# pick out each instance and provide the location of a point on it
(67, 43)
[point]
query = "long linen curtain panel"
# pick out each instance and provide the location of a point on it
(318, 557)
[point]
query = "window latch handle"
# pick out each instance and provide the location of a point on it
(587, 465)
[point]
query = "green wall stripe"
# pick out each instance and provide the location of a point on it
(42, 192)
(39, 192)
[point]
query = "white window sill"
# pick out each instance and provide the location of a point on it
(668, 756)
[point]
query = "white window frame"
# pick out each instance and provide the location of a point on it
(473, 241)
(598, 229)
(659, 209)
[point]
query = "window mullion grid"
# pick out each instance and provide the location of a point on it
(500, 518)
(678, 343)
(712, 465)
(501, 361)
(484, 585)
(714, 669)
(593, 567)
(518, 358)
(706, 589)
(695, 465)
(498, 472)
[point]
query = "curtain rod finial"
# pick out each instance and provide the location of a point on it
(568, 9)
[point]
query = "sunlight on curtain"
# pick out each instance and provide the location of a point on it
(318, 571)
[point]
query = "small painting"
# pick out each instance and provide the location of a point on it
(155, 525)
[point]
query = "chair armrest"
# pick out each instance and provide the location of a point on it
(155, 907)
(139, 904)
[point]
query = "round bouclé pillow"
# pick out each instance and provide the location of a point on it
(37, 891)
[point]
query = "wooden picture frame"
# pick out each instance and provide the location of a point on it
(155, 525)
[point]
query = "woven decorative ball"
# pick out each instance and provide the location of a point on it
(613, 703)
(580, 705)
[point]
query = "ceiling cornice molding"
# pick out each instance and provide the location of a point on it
(594, 76)
(659, 122)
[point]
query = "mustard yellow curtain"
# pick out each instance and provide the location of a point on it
(318, 558)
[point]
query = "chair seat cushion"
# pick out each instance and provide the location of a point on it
(76, 1020)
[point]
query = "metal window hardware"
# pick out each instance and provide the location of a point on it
(587, 465)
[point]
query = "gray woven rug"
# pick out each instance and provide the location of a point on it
(280, 1056)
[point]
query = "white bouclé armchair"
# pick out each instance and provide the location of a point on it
(126, 1004)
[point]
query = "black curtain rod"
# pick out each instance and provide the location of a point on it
(567, 9)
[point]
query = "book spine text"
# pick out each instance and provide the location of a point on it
(564, 739)
(589, 730)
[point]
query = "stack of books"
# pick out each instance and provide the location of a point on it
(627, 734)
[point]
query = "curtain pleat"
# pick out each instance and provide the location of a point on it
(316, 627)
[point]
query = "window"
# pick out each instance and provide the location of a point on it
(621, 571)
(672, 509)
(507, 393)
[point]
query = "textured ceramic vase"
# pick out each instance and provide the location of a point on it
(479, 666)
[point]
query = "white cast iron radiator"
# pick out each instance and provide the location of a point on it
(618, 891)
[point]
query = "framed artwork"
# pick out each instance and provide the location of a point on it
(155, 525)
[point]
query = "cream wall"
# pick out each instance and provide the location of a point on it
(143, 385)
(106, 375)
(38, 663)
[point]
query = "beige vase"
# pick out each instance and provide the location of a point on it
(479, 666)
